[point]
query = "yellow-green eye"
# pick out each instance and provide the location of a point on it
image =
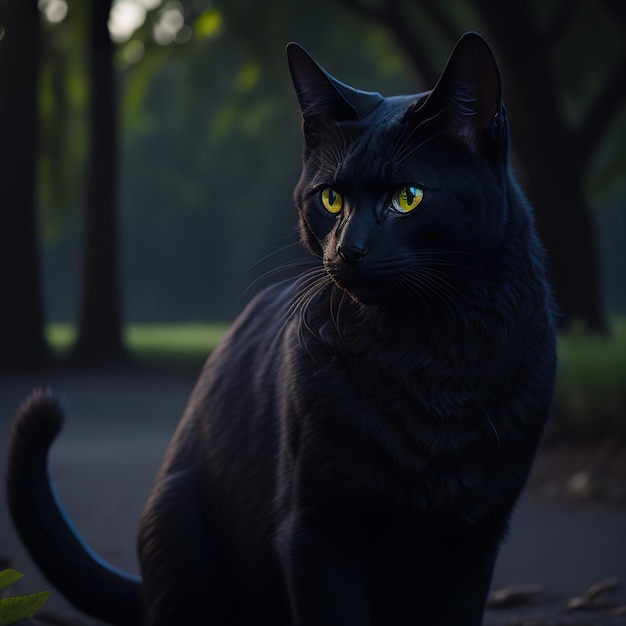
(331, 200)
(406, 198)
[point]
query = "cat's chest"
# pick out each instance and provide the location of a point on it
(397, 420)
(403, 375)
(408, 395)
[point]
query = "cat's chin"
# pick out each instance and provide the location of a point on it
(360, 289)
(366, 295)
(367, 298)
(375, 296)
(363, 288)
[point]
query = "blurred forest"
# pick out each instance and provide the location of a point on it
(150, 147)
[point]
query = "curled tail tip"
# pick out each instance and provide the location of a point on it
(44, 526)
(39, 418)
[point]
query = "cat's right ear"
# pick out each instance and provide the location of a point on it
(322, 96)
(468, 94)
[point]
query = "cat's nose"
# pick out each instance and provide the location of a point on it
(350, 254)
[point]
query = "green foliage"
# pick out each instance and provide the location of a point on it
(8, 577)
(16, 608)
(210, 141)
(209, 23)
(63, 100)
(591, 386)
(210, 149)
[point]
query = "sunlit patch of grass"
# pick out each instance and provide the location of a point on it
(61, 337)
(179, 344)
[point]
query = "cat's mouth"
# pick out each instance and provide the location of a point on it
(359, 284)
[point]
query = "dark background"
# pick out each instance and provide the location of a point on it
(149, 149)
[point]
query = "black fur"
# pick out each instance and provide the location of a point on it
(354, 448)
(45, 529)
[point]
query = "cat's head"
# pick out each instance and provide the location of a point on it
(399, 196)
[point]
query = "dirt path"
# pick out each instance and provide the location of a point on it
(118, 427)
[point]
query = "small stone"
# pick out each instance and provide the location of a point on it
(513, 596)
(579, 485)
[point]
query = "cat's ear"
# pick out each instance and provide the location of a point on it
(469, 94)
(321, 95)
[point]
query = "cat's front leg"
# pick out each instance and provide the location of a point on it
(324, 573)
(454, 592)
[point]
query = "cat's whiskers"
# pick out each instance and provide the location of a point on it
(332, 147)
(438, 258)
(334, 314)
(407, 153)
(311, 284)
(308, 296)
(410, 130)
(445, 290)
(426, 283)
(306, 283)
(419, 281)
(431, 292)
(441, 277)
(273, 253)
(411, 290)
(404, 149)
(283, 267)
(442, 258)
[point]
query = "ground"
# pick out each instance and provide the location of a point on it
(583, 472)
(568, 532)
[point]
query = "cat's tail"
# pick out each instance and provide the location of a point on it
(47, 532)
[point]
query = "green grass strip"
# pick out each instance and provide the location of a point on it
(591, 385)
(174, 343)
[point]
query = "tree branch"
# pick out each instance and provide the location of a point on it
(511, 25)
(391, 15)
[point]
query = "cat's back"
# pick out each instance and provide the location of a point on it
(245, 361)
(228, 431)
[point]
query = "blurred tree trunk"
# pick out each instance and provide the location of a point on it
(100, 324)
(554, 157)
(22, 343)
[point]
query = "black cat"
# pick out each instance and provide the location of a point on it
(354, 448)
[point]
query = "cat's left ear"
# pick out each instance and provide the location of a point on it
(469, 94)
(321, 95)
